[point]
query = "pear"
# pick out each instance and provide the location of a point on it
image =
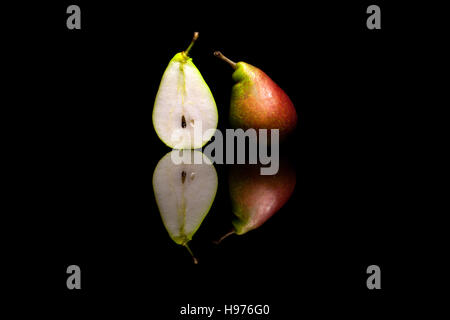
(255, 197)
(185, 113)
(258, 102)
(184, 193)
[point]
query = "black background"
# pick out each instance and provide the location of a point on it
(89, 150)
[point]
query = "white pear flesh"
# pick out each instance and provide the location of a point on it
(185, 113)
(184, 193)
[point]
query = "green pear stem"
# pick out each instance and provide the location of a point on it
(192, 43)
(190, 251)
(221, 56)
(226, 235)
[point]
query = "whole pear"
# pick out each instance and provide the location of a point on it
(258, 102)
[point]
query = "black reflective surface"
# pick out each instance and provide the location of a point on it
(85, 151)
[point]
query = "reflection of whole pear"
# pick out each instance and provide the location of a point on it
(255, 197)
(258, 102)
(184, 193)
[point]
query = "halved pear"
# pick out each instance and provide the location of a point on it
(185, 111)
(184, 192)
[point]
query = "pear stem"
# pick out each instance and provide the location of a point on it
(226, 235)
(186, 52)
(221, 56)
(190, 251)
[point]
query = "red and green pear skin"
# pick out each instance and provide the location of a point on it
(258, 102)
(255, 198)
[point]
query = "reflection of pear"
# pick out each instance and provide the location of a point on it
(184, 193)
(255, 197)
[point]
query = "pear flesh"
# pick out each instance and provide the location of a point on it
(185, 111)
(184, 193)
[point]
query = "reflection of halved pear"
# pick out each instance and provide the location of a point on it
(184, 193)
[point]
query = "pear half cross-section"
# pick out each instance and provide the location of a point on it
(185, 113)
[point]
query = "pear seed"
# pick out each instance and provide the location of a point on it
(183, 121)
(183, 176)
